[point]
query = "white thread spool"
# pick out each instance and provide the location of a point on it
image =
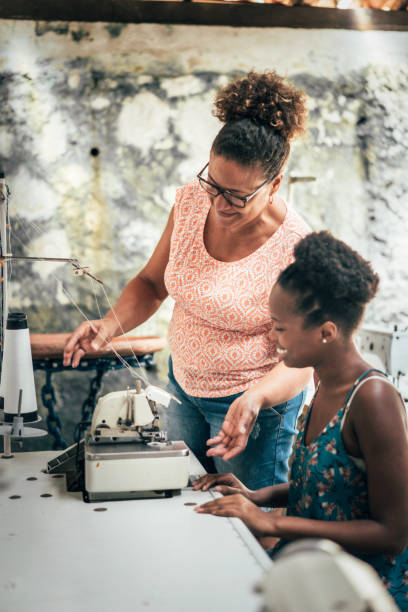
(18, 370)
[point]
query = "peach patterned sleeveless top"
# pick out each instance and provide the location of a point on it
(219, 331)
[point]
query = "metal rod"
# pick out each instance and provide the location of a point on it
(297, 179)
(18, 422)
(9, 257)
(20, 399)
(7, 447)
(3, 249)
(75, 262)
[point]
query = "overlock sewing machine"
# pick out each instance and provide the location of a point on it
(125, 454)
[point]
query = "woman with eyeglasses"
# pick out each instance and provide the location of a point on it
(227, 238)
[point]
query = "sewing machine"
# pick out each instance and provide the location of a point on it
(387, 351)
(125, 453)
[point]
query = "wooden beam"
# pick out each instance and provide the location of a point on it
(203, 13)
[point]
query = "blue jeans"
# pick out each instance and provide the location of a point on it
(265, 459)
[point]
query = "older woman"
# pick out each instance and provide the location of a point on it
(227, 238)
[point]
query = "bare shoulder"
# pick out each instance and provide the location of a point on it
(378, 409)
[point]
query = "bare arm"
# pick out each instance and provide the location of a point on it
(228, 484)
(379, 421)
(275, 496)
(279, 385)
(141, 297)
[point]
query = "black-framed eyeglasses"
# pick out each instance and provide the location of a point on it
(234, 200)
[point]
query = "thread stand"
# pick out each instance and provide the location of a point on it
(16, 430)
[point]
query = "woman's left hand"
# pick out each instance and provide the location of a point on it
(258, 521)
(238, 424)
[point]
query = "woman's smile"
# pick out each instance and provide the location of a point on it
(225, 213)
(281, 352)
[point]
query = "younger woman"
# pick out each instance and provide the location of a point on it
(348, 478)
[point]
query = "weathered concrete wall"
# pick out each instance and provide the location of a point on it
(100, 123)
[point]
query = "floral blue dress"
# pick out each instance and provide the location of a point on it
(327, 484)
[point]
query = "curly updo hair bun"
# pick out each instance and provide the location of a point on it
(262, 113)
(332, 282)
(264, 98)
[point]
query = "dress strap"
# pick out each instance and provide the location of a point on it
(358, 380)
(359, 383)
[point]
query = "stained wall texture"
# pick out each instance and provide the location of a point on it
(100, 123)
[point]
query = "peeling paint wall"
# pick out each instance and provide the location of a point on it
(100, 123)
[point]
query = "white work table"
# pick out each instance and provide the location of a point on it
(57, 554)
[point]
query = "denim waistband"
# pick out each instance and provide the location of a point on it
(194, 399)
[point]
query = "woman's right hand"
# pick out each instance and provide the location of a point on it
(88, 337)
(227, 484)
